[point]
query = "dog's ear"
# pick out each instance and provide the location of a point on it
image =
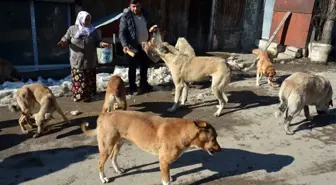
(201, 124)
(331, 103)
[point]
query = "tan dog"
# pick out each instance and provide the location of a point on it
(184, 47)
(8, 72)
(166, 138)
(26, 98)
(265, 67)
(115, 96)
(299, 91)
(186, 69)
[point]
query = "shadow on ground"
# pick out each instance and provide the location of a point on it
(9, 123)
(229, 162)
(281, 78)
(92, 120)
(11, 140)
(317, 121)
(247, 99)
(161, 109)
(32, 165)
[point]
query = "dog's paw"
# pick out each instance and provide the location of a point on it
(103, 178)
(165, 183)
(289, 132)
(36, 135)
(216, 114)
(172, 109)
(120, 171)
(25, 131)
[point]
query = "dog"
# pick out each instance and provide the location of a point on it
(8, 72)
(166, 138)
(185, 69)
(300, 90)
(184, 47)
(115, 96)
(27, 97)
(264, 67)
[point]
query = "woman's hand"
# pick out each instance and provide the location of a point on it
(62, 43)
(105, 45)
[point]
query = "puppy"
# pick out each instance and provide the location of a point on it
(25, 100)
(166, 138)
(265, 67)
(299, 91)
(115, 96)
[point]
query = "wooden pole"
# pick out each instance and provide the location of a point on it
(277, 30)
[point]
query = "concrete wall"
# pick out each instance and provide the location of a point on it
(253, 19)
(267, 20)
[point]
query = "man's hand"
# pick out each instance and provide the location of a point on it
(105, 45)
(62, 43)
(153, 29)
(125, 49)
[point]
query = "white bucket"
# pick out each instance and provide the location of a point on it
(105, 55)
(319, 52)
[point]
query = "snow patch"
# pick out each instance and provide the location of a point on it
(62, 87)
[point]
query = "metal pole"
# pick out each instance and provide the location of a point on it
(34, 37)
(212, 23)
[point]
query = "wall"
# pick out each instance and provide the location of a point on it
(267, 20)
(252, 27)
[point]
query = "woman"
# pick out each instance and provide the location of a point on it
(83, 40)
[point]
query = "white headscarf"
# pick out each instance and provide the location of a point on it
(83, 31)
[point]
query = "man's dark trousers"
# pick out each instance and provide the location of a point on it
(140, 59)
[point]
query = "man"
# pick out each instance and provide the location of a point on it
(133, 30)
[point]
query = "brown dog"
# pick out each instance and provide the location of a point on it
(115, 91)
(8, 72)
(265, 67)
(166, 138)
(25, 100)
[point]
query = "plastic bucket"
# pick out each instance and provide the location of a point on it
(319, 52)
(105, 55)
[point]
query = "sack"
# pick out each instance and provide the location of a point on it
(153, 41)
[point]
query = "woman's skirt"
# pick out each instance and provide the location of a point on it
(83, 83)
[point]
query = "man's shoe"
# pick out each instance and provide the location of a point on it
(133, 92)
(146, 88)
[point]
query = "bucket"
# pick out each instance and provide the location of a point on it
(105, 55)
(319, 52)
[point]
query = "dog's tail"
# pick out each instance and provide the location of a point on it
(92, 132)
(283, 107)
(252, 66)
(240, 67)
